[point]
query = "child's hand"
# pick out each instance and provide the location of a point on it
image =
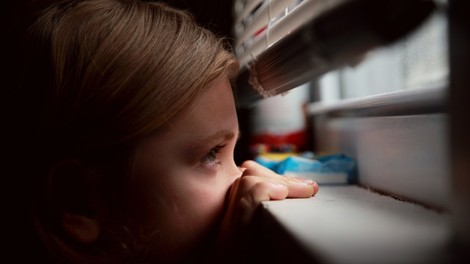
(255, 185)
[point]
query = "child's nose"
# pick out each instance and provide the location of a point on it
(235, 171)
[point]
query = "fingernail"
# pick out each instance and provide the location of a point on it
(301, 183)
(302, 180)
(309, 181)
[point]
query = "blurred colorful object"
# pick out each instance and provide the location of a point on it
(325, 169)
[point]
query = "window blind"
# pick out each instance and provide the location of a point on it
(282, 44)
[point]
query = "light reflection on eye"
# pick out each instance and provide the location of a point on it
(210, 159)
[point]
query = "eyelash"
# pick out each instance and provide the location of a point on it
(210, 159)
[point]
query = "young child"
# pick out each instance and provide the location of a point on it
(134, 136)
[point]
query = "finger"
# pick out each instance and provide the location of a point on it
(297, 187)
(315, 188)
(265, 191)
(300, 189)
(253, 168)
(310, 182)
(261, 191)
(261, 188)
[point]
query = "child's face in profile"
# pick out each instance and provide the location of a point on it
(186, 171)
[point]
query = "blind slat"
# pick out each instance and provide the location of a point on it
(325, 37)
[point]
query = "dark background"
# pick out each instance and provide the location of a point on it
(215, 15)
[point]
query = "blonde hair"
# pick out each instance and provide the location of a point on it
(129, 65)
(113, 72)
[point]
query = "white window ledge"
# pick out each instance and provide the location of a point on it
(350, 224)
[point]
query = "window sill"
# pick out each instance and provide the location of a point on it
(350, 224)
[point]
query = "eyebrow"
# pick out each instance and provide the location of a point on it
(222, 134)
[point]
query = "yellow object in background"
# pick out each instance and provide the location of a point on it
(277, 156)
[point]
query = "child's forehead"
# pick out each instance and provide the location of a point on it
(216, 99)
(210, 113)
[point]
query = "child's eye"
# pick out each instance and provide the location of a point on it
(210, 159)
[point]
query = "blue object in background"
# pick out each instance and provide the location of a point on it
(335, 168)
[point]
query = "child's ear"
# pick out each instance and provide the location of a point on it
(74, 199)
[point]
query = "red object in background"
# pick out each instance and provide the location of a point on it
(278, 123)
(279, 143)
